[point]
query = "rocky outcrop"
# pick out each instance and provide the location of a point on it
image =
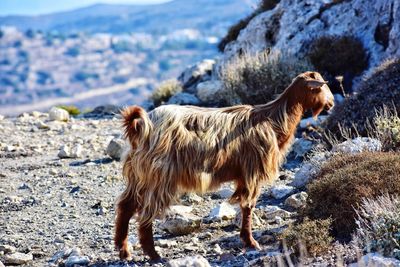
(291, 25)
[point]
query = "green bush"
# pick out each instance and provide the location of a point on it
(344, 181)
(234, 30)
(386, 127)
(72, 110)
(378, 89)
(165, 90)
(378, 224)
(256, 79)
(312, 234)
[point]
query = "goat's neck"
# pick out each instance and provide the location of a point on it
(284, 114)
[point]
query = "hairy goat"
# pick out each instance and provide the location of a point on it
(176, 149)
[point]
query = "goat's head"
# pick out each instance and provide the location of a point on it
(314, 92)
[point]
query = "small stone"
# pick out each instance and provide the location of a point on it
(76, 151)
(76, 260)
(166, 243)
(53, 171)
(377, 260)
(270, 212)
(223, 211)
(116, 148)
(301, 147)
(223, 193)
(297, 200)
(7, 249)
(281, 191)
(41, 125)
(58, 114)
(192, 198)
(256, 221)
(10, 148)
(190, 261)
(180, 222)
(217, 249)
(358, 145)
(1, 117)
(18, 258)
(64, 152)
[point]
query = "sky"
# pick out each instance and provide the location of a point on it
(38, 7)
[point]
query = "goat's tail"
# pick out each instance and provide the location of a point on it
(137, 125)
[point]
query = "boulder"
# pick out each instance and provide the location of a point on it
(184, 99)
(197, 73)
(209, 91)
(103, 111)
(58, 114)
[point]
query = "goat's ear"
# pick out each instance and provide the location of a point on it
(314, 84)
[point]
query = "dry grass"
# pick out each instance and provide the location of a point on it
(344, 181)
(165, 90)
(378, 223)
(256, 79)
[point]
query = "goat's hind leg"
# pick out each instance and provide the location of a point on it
(126, 207)
(147, 241)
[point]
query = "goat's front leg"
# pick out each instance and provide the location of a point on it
(147, 241)
(245, 232)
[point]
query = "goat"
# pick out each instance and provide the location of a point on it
(177, 149)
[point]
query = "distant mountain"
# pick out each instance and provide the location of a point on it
(207, 16)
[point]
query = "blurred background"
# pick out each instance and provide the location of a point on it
(95, 52)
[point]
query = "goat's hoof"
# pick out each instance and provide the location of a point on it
(157, 260)
(124, 254)
(252, 245)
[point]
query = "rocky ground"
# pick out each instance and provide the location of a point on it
(58, 189)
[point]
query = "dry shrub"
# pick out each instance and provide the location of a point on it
(256, 79)
(386, 128)
(344, 181)
(312, 234)
(234, 30)
(165, 90)
(337, 55)
(378, 222)
(378, 89)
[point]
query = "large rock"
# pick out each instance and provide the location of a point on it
(184, 99)
(358, 145)
(115, 148)
(197, 73)
(75, 260)
(17, 258)
(291, 24)
(179, 221)
(190, 261)
(309, 169)
(209, 91)
(256, 221)
(103, 111)
(58, 114)
(376, 260)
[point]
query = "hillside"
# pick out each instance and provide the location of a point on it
(211, 17)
